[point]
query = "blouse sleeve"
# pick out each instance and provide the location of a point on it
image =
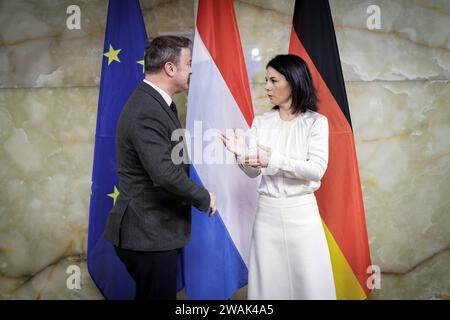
(316, 159)
(252, 134)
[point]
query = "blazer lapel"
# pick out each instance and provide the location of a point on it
(148, 89)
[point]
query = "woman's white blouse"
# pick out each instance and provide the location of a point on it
(299, 153)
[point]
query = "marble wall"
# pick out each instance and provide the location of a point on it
(397, 81)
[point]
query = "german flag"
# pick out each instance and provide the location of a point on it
(339, 197)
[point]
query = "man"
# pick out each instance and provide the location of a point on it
(151, 219)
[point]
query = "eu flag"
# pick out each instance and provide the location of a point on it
(122, 71)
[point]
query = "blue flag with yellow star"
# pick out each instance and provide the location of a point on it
(122, 71)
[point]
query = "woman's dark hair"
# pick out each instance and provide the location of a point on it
(296, 72)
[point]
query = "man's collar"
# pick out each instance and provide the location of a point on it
(164, 94)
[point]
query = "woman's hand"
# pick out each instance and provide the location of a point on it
(261, 159)
(234, 143)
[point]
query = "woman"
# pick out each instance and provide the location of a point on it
(289, 257)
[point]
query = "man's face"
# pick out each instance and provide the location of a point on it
(183, 70)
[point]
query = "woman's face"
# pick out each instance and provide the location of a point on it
(277, 88)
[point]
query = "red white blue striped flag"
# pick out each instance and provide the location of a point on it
(215, 260)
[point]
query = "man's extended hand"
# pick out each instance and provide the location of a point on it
(213, 205)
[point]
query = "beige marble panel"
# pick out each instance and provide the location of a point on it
(37, 49)
(265, 29)
(46, 151)
(413, 42)
(168, 17)
(428, 280)
(401, 132)
(51, 283)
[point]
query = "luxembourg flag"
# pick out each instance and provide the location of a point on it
(215, 260)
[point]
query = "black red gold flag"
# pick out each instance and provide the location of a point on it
(339, 198)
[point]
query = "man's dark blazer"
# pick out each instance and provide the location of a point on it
(153, 209)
